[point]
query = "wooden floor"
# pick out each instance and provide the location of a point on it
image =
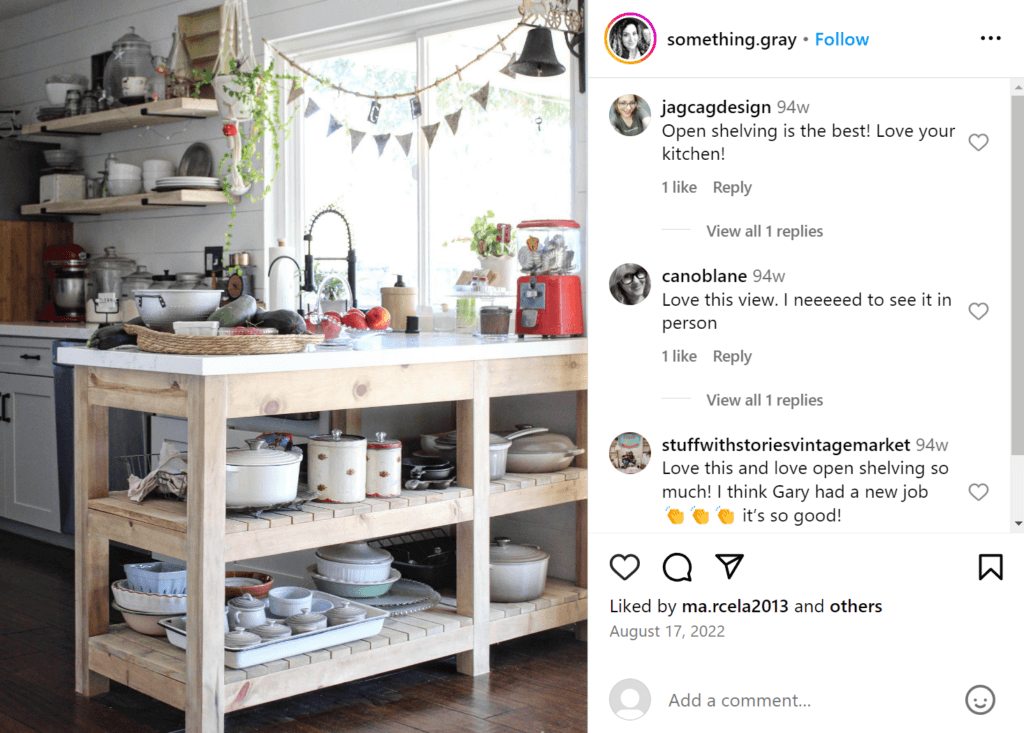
(539, 682)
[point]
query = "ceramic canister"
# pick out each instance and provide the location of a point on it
(337, 467)
(384, 467)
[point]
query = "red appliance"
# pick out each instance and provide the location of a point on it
(65, 284)
(549, 299)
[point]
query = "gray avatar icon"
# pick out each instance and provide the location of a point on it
(980, 699)
(630, 699)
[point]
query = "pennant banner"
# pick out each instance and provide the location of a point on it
(311, 108)
(405, 141)
(507, 70)
(453, 120)
(333, 126)
(382, 142)
(295, 93)
(480, 95)
(429, 132)
(357, 137)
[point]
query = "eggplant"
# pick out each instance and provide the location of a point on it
(109, 337)
(285, 321)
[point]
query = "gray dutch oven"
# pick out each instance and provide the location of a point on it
(535, 450)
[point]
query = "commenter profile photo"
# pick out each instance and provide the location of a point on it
(630, 38)
(629, 284)
(630, 115)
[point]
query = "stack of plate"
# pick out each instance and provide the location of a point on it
(178, 183)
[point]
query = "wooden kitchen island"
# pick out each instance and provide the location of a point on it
(395, 369)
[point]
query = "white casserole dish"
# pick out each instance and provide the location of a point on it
(289, 646)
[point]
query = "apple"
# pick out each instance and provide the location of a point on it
(330, 328)
(310, 326)
(355, 320)
(378, 318)
(356, 310)
(333, 315)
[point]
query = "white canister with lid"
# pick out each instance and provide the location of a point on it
(384, 467)
(337, 467)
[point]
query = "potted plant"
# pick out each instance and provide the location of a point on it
(494, 244)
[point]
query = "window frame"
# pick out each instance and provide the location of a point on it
(286, 201)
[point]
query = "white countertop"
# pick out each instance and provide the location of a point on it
(41, 329)
(393, 349)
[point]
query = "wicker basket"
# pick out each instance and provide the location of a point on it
(170, 343)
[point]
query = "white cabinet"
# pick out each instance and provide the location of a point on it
(28, 451)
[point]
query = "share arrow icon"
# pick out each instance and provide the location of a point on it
(731, 562)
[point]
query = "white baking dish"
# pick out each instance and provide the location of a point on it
(310, 641)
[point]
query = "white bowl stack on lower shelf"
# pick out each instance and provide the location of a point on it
(151, 592)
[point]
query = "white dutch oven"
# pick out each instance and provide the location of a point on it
(261, 476)
(384, 467)
(518, 572)
(337, 467)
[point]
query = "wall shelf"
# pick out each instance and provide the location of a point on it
(120, 204)
(126, 118)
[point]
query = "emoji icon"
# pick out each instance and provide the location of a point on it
(726, 516)
(701, 516)
(675, 516)
(980, 699)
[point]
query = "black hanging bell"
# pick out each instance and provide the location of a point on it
(538, 55)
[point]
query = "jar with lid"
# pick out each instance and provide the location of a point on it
(129, 69)
(337, 467)
(141, 279)
(106, 274)
(384, 467)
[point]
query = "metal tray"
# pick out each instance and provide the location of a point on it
(269, 651)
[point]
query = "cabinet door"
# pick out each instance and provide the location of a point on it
(28, 475)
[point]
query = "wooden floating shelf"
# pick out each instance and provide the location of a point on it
(126, 118)
(120, 204)
(155, 667)
(160, 525)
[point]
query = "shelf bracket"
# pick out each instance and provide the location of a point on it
(145, 202)
(43, 212)
(68, 133)
(144, 112)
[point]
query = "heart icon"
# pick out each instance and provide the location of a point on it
(978, 310)
(625, 565)
(978, 141)
(978, 491)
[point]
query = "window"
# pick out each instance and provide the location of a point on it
(407, 211)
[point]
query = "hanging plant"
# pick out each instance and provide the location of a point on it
(249, 100)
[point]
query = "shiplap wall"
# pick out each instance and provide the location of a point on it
(63, 37)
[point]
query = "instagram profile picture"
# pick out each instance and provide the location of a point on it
(629, 115)
(629, 284)
(629, 453)
(630, 38)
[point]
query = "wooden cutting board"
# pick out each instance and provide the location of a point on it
(22, 272)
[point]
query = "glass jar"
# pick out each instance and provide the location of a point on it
(106, 274)
(141, 279)
(128, 70)
(548, 246)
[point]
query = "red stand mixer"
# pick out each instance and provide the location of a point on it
(549, 300)
(65, 284)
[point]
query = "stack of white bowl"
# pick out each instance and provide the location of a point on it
(154, 170)
(125, 179)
